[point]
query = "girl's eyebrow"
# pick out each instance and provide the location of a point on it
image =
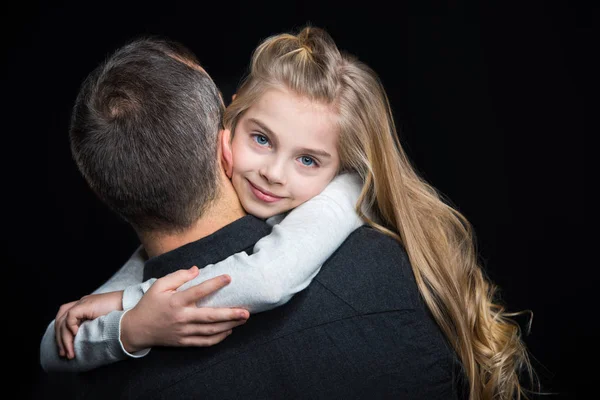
(262, 126)
(321, 153)
(269, 132)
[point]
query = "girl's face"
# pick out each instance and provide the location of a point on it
(284, 152)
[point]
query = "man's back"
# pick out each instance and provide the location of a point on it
(360, 330)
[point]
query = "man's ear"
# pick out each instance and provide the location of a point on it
(226, 153)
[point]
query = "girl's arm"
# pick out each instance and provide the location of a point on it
(163, 318)
(285, 261)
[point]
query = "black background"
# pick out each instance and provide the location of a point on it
(489, 98)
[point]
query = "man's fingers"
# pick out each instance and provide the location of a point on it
(175, 279)
(195, 293)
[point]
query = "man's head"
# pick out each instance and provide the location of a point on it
(144, 134)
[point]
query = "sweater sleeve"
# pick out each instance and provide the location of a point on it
(285, 261)
(97, 342)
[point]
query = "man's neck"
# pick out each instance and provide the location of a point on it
(224, 212)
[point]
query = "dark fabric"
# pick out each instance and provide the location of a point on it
(360, 330)
(240, 235)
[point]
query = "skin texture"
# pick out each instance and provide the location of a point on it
(284, 152)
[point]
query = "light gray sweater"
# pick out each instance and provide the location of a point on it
(283, 263)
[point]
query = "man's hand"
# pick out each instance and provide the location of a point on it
(71, 315)
(167, 317)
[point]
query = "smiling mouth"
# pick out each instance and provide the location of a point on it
(263, 195)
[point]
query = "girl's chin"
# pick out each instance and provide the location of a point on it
(264, 212)
(257, 211)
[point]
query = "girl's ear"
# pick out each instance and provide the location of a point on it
(226, 153)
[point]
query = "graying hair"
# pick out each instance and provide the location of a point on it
(144, 134)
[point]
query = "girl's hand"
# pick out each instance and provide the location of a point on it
(167, 317)
(71, 315)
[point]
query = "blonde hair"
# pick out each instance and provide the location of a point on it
(438, 239)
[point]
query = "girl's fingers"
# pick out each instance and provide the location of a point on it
(208, 315)
(175, 279)
(213, 329)
(58, 338)
(64, 308)
(73, 328)
(67, 342)
(193, 294)
(205, 341)
(58, 321)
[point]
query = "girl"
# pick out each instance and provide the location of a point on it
(395, 200)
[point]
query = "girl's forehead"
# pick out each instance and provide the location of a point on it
(284, 114)
(282, 100)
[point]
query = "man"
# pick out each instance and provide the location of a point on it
(145, 134)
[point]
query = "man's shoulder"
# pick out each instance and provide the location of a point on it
(371, 242)
(371, 269)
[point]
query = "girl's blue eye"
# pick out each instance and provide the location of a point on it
(307, 161)
(261, 140)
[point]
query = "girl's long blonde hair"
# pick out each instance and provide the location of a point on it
(438, 239)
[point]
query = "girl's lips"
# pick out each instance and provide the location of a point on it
(266, 197)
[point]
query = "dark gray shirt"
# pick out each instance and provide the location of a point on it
(359, 330)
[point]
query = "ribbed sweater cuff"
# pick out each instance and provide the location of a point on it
(112, 336)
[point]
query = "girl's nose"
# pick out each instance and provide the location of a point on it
(273, 173)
